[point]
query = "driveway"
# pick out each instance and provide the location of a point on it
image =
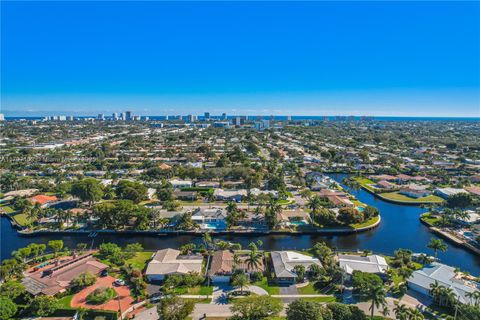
(289, 290)
(219, 295)
(147, 314)
(124, 299)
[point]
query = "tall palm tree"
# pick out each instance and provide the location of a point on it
(236, 261)
(253, 260)
(314, 204)
(437, 245)
(377, 295)
(434, 289)
(474, 297)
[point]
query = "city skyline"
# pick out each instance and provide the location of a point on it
(308, 59)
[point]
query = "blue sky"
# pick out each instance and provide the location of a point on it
(284, 58)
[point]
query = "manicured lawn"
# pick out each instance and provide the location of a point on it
(365, 223)
(365, 182)
(400, 197)
(140, 259)
(320, 299)
(7, 209)
(309, 289)
(271, 289)
(65, 302)
(429, 219)
(20, 218)
(201, 290)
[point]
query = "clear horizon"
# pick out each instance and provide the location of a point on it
(398, 59)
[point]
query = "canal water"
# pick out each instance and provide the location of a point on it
(400, 228)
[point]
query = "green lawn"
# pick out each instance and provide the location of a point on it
(429, 219)
(402, 198)
(365, 182)
(140, 259)
(201, 290)
(270, 288)
(21, 219)
(365, 223)
(7, 209)
(64, 302)
(309, 289)
(320, 299)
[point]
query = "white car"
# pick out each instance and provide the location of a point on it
(119, 282)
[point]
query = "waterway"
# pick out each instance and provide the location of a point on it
(400, 228)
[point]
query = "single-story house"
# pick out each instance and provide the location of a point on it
(384, 184)
(371, 264)
(445, 276)
(56, 279)
(256, 192)
(177, 184)
(223, 266)
(293, 217)
(230, 195)
(169, 261)
(447, 192)
(185, 195)
(415, 191)
(43, 199)
(285, 261)
(474, 190)
(210, 218)
(207, 184)
(20, 193)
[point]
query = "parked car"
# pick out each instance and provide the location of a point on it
(119, 282)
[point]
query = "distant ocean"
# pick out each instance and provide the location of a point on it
(297, 118)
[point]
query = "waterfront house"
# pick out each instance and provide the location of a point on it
(223, 266)
(384, 184)
(43, 199)
(447, 192)
(371, 264)
(210, 218)
(55, 278)
(230, 195)
(284, 263)
(473, 190)
(293, 218)
(169, 261)
(445, 276)
(415, 191)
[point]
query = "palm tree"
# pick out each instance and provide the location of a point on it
(253, 260)
(474, 297)
(437, 245)
(314, 204)
(377, 295)
(240, 280)
(434, 289)
(236, 261)
(415, 314)
(401, 311)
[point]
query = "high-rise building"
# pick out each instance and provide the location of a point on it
(289, 118)
(101, 117)
(128, 115)
(122, 116)
(191, 118)
(266, 124)
(238, 121)
(224, 116)
(2, 117)
(69, 118)
(207, 115)
(114, 116)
